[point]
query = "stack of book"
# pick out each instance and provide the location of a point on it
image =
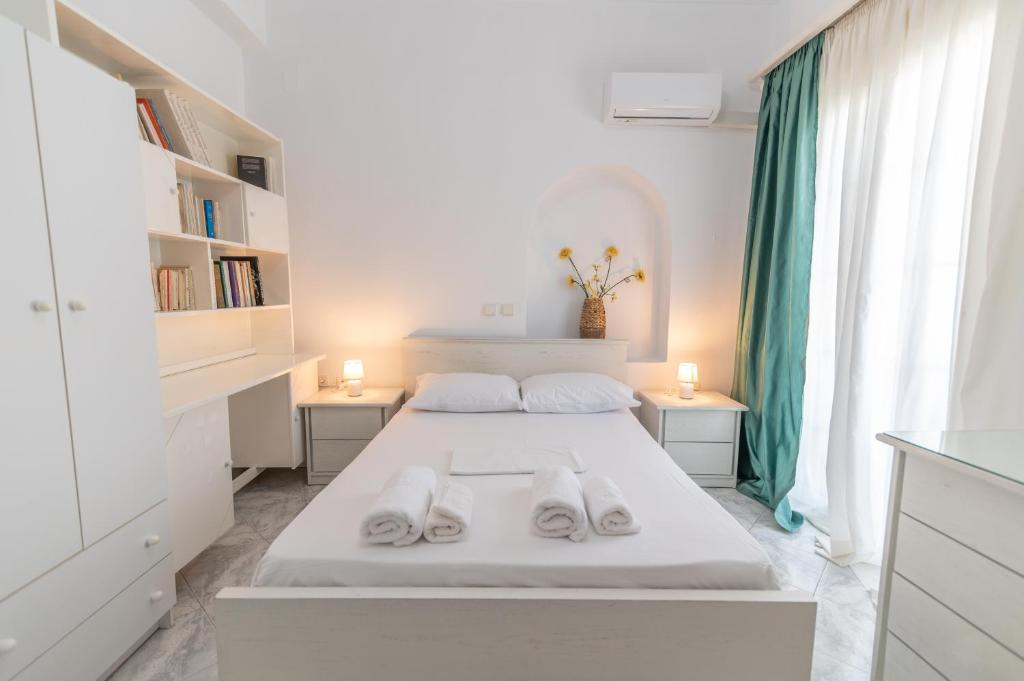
(165, 119)
(236, 279)
(199, 216)
(173, 288)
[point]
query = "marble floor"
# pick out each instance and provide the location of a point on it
(187, 651)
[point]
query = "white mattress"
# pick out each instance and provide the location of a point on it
(688, 541)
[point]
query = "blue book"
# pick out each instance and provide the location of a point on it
(208, 209)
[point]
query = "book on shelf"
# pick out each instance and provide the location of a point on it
(257, 171)
(180, 126)
(173, 288)
(237, 281)
(198, 216)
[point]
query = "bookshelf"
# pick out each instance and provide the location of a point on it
(252, 222)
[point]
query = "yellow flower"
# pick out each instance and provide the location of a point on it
(569, 281)
(611, 252)
(565, 253)
(615, 296)
(640, 275)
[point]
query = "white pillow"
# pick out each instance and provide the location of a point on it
(575, 394)
(466, 393)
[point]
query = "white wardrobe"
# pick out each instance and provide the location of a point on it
(85, 571)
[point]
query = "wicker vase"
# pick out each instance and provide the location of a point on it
(592, 319)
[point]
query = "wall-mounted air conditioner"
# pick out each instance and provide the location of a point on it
(662, 98)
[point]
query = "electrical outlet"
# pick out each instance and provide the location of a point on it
(507, 309)
(488, 310)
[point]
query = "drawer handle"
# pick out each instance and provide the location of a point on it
(7, 645)
(156, 596)
(41, 306)
(76, 306)
(152, 540)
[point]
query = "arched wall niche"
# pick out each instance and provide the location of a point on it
(590, 209)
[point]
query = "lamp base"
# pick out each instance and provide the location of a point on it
(686, 391)
(354, 388)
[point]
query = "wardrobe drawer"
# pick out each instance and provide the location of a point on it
(702, 458)
(331, 456)
(903, 664)
(350, 423)
(950, 644)
(984, 593)
(88, 652)
(700, 426)
(974, 508)
(57, 602)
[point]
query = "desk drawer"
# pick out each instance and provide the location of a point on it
(702, 458)
(700, 426)
(950, 644)
(44, 611)
(974, 508)
(349, 423)
(90, 650)
(984, 593)
(331, 456)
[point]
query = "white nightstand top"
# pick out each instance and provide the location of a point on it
(371, 397)
(706, 400)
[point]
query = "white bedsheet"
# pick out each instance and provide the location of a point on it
(688, 541)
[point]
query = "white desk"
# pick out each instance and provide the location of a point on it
(241, 413)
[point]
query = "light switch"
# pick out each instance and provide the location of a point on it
(488, 309)
(507, 309)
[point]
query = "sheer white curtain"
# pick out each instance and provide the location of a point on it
(900, 109)
(988, 374)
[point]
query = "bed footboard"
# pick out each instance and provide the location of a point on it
(512, 634)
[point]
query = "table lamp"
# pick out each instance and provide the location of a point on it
(353, 375)
(687, 376)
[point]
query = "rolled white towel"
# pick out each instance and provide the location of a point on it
(400, 509)
(557, 508)
(608, 508)
(449, 515)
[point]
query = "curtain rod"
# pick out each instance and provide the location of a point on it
(826, 22)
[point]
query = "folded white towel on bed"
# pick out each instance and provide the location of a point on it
(400, 509)
(512, 460)
(608, 508)
(557, 508)
(449, 515)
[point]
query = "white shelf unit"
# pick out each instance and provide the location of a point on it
(254, 221)
(236, 366)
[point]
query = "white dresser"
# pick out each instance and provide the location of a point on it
(85, 571)
(951, 603)
(701, 434)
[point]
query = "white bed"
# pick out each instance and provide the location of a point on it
(504, 605)
(688, 541)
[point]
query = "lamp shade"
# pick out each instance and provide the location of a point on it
(687, 373)
(353, 370)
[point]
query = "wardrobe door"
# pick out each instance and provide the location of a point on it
(88, 145)
(38, 507)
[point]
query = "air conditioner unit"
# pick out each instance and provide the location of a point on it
(662, 98)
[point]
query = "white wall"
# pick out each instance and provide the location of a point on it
(182, 37)
(421, 135)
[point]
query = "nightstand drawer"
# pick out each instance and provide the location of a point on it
(331, 456)
(700, 426)
(355, 423)
(702, 458)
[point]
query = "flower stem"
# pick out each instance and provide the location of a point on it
(624, 279)
(580, 281)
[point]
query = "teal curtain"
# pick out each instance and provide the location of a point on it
(772, 339)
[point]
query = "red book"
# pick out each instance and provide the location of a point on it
(156, 123)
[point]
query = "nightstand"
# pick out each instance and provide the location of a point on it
(701, 435)
(338, 427)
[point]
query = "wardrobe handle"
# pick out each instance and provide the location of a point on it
(41, 306)
(229, 464)
(152, 540)
(76, 305)
(252, 213)
(174, 191)
(7, 645)
(156, 596)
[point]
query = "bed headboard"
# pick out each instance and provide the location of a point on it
(515, 357)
